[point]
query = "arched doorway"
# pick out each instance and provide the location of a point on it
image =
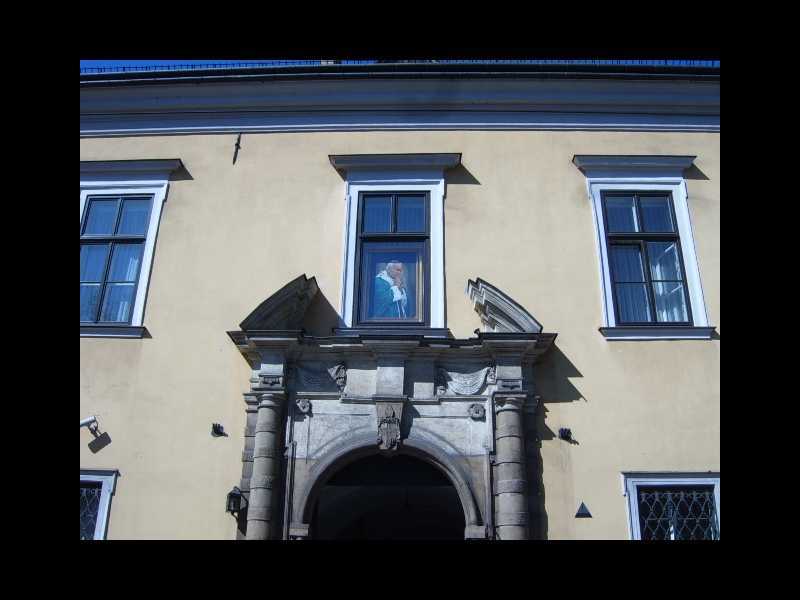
(396, 497)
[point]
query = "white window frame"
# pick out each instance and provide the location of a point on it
(108, 481)
(410, 179)
(651, 173)
(632, 480)
(129, 178)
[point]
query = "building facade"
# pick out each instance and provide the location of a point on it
(415, 302)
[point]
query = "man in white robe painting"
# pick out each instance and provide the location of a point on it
(389, 298)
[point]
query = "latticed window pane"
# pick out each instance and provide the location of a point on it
(90, 504)
(677, 513)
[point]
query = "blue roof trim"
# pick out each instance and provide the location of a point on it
(175, 66)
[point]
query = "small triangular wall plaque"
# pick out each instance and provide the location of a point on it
(583, 512)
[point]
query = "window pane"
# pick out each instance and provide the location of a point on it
(135, 216)
(102, 217)
(677, 513)
(670, 302)
(118, 302)
(656, 214)
(392, 281)
(632, 303)
(377, 214)
(626, 263)
(125, 262)
(411, 213)
(621, 214)
(664, 263)
(90, 297)
(90, 506)
(93, 261)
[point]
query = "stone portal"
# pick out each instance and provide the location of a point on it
(388, 434)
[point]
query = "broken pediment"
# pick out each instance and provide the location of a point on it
(285, 309)
(498, 312)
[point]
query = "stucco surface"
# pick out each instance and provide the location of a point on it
(517, 215)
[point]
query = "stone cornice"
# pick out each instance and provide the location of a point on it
(528, 346)
(599, 165)
(132, 167)
(411, 103)
(365, 94)
(344, 162)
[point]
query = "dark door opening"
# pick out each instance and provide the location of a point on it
(394, 498)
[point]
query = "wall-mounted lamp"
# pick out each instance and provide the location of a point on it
(565, 434)
(236, 501)
(217, 430)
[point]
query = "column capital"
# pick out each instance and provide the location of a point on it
(509, 400)
(271, 399)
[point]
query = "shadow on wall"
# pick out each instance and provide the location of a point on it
(460, 175)
(694, 173)
(321, 317)
(553, 384)
(181, 174)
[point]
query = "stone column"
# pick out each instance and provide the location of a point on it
(511, 482)
(251, 415)
(261, 513)
(510, 476)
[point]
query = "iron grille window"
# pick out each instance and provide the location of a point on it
(392, 259)
(644, 251)
(91, 493)
(677, 513)
(113, 235)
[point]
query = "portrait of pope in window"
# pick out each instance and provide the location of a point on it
(390, 284)
(390, 298)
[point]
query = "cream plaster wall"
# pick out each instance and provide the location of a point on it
(234, 234)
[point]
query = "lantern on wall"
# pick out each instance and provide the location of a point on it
(236, 501)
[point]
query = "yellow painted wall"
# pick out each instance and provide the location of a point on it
(520, 219)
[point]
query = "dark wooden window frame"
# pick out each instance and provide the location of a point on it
(640, 239)
(394, 236)
(111, 240)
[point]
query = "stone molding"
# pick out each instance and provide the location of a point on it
(477, 412)
(303, 405)
(463, 384)
(499, 313)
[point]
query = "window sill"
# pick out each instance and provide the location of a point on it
(115, 331)
(657, 333)
(421, 330)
